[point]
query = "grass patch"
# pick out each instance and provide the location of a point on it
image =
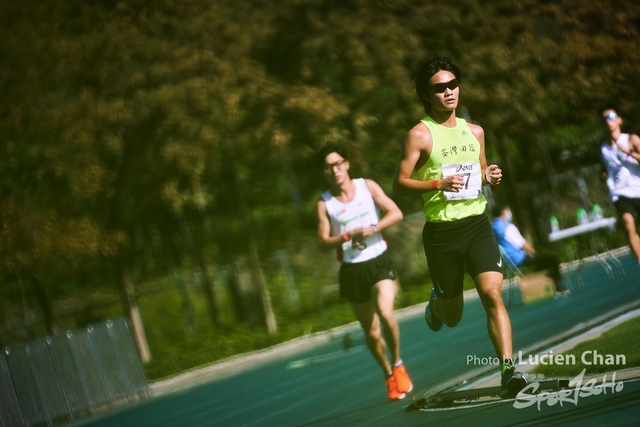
(182, 345)
(176, 349)
(621, 340)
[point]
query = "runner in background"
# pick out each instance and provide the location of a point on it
(620, 156)
(348, 221)
(443, 160)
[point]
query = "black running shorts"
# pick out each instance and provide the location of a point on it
(627, 205)
(452, 246)
(357, 279)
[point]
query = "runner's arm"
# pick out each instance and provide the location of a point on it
(528, 248)
(416, 149)
(491, 174)
(326, 241)
(634, 146)
(392, 212)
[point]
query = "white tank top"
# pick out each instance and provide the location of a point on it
(360, 212)
(623, 171)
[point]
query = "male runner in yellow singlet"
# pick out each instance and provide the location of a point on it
(443, 159)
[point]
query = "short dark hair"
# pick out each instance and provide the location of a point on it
(330, 147)
(426, 71)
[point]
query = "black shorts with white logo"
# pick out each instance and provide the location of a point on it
(627, 205)
(356, 279)
(451, 246)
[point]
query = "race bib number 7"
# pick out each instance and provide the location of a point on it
(470, 171)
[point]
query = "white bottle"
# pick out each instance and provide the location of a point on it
(583, 218)
(596, 212)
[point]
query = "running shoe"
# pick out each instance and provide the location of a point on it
(434, 323)
(392, 389)
(512, 382)
(403, 382)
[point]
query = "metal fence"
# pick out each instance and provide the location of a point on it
(66, 376)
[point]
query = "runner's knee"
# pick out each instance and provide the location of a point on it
(372, 340)
(372, 332)
(492, 297)
(629, 223)
(452, 321)
(386, 314)
(451, 311)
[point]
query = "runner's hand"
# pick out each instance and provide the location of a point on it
(361, 233)
(453, 183)
(493, 175)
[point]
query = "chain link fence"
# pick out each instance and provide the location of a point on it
(56, 379)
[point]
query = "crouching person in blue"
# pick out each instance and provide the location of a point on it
(521, 252)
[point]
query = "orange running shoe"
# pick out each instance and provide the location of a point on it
(403, 382)
(392, 389)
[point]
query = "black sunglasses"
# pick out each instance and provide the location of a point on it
(609, 116)
(441, 87)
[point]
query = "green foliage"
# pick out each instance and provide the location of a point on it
(154, 136)
(178, 346)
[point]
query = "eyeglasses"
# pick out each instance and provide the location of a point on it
(441, 87)
(609, 116)
(329, 167)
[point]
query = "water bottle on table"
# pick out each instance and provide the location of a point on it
(583, 218)
(596, 212)
(555, 226)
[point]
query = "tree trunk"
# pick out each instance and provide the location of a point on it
(254, 257)
(209, 293)
(510, 177)
(265, 297)
(45, 305)
(361, 147)
(196, 241)
(245, 293)
(131, 308)
(187, 306)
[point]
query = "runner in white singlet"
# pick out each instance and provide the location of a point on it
(348, 221)
(620, 158)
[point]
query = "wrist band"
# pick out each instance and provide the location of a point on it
(434, 184)
(345, 237)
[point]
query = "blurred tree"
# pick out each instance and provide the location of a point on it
(126, 120)
(535, 68)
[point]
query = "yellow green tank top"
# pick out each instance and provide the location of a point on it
(454, 150)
